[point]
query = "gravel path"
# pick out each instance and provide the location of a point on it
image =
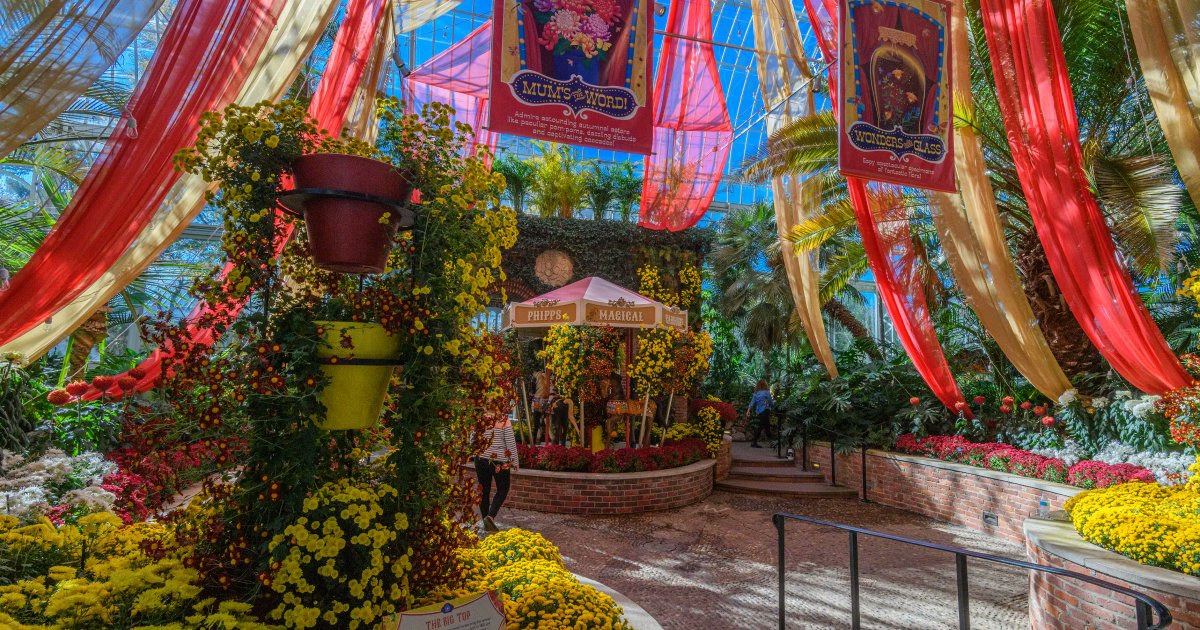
(712, 565)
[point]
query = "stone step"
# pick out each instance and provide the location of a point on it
(780, 488)
(773, 473)
(739, 462)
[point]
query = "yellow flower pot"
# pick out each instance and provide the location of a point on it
(355, 394)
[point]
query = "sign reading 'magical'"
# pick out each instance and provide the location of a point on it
(574, 71)
(895, 94)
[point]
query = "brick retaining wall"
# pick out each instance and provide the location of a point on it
(610, 493)
(1057, 602)
(946, 491)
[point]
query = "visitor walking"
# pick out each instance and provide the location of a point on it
(496, 462)
(760, 407)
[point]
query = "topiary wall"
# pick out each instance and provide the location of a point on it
(612, 250)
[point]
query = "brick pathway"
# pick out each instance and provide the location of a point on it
(712, 565)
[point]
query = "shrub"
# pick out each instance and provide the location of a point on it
(1005, 458)
(1092, 474)
(1147, 522)
(578, 459)
(726, 411)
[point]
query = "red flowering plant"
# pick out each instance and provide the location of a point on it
(1006, 458)
(727, 411)
(578, 459)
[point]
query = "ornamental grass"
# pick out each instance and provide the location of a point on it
(1152, 524)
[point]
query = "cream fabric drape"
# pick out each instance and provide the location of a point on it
(51, 57)
(973, 239)
(1167, 36)
(361, 119)
(783, 75)
(410, 14)
(296, 33)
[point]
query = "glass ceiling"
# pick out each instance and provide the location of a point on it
(733, 33)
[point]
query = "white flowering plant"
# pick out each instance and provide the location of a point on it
(54, 484)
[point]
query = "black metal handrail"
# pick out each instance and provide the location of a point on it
(1144, 605)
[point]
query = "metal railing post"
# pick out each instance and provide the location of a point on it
(855, 624)
(778, 518)
(964, 597)
(1144, 615)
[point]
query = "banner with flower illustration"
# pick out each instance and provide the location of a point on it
(574, 71)
(897, 121)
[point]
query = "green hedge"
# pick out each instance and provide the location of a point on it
(612, 250)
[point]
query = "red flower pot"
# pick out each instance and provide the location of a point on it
(345, 233)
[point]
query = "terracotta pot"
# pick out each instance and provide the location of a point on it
(344, 233)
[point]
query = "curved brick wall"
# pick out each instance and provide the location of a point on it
(1062, 603)
(990, 501)
(609, 493)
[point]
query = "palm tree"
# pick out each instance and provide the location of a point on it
(752, 283)
(627, 189)
(1125, 155)
(601, 189)
(518, 177)
(559, 182)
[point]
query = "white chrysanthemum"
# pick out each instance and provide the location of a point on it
(1067, 397)
(1099, 402)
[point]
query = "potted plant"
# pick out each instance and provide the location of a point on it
(357, 360)
(352, 207)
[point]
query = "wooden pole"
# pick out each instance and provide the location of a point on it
(528, 414)
(645, 408)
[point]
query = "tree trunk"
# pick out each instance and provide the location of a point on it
(92, 332)
(842, 315)
(1068, 342)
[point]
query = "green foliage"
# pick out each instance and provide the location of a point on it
(518, 179)
(612, 250)
(560, 182)
(22, 404)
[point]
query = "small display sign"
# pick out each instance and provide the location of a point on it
(484, 611)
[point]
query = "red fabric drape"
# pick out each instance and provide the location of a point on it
(458, 77)
(206, 52)
(1039, 114)
(889, 249)
(692, 129)
(343, 73)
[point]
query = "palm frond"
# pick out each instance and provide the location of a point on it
(803, 147)
(1142, 199)
(815, 232)
(843, 269)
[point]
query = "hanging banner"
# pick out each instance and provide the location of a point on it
(574, 71)
(896, 124)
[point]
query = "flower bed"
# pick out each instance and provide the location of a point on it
(1153, 524)
(538, 590)
(556, 458)
(1085, 474)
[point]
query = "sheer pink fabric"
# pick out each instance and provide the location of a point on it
(889, 248)
(1039, 115)
(343, 75)
(692, 129)
(458, 77)
(204, 56)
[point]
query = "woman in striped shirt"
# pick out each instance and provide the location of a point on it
(496, 462)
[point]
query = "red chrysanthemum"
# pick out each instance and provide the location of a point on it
(58, 397)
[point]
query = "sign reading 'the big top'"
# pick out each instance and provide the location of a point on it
(574, 71)
(894, 92)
